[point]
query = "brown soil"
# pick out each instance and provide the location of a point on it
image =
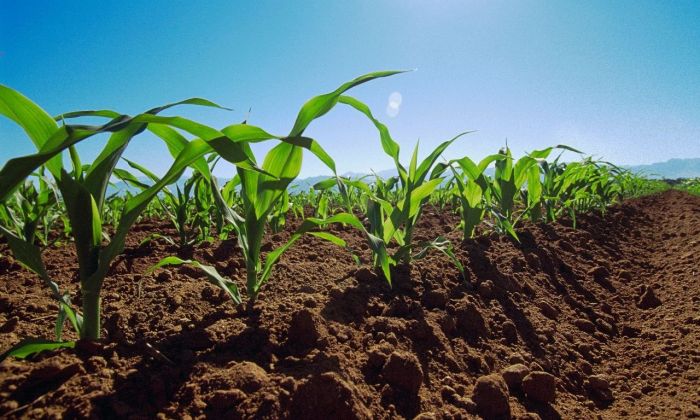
(551, 327)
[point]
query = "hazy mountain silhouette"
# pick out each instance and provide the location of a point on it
(671, 169)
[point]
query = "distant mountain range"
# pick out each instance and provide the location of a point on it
(671, 169)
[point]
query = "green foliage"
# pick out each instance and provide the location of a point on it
(83, 189)
(691, 185)
(263, 194)
(32, 210)
(45, 201)
(32, 346)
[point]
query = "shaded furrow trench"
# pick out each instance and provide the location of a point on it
(601, 321)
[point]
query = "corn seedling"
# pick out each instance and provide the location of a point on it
(261, 193)
(83, 190)
(395, 220)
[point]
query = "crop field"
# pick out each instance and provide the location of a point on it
(547, 285)
(691, 185)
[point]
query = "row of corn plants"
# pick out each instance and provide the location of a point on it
(691, 185)
(47, 199)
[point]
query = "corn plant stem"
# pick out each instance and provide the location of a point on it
(251, 280)
(405, 253)
(91, 315)
(253, 264)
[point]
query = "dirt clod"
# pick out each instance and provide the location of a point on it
(585, 325)
(470, 321)
(304, 329)
(486, 289)
(540, 386)
(514, 375)
(435, 299)
(491, 397)
(648, 299)
(547, 309)
(403, 371)
(327, 396)
(598, 387)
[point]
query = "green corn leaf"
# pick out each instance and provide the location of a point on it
(412, 166)
(130, 178)
(175, 143)
(75, 159)
(105, 113)
(488, 160)
(99, 173)
(36, 122)
(85, 220)
(445, 246)
(150, 175)
(96, 223)
(60, 322)
(113, 114)
(542, 154)
(283, 162)
(314, 147)
(429, 161)
(330, 238)
(534, 185)
(421, 193)
(31, 346)
(320, 105)
(65, 311)
(247, 133)
(521, 170)
(325, 184)
(228, 146)
(26, 253)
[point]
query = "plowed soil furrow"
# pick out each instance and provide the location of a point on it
(597, 321)
(656, 368)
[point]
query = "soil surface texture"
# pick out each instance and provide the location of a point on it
(600, 321)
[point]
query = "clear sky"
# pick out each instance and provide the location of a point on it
(619, 80)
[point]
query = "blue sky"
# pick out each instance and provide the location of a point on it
(619, 80)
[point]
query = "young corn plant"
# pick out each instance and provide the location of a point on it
(341, 192)
(262, 192)
(34, 210)
(514, 180)
(552, 174)
(83, 191)
(578, 188)
(353, 193)
(278, 215)
(505, 187)
(395, 220)
(318, 197)
(471, 189)
(691, 185)
(540, 181)
(188, 208)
